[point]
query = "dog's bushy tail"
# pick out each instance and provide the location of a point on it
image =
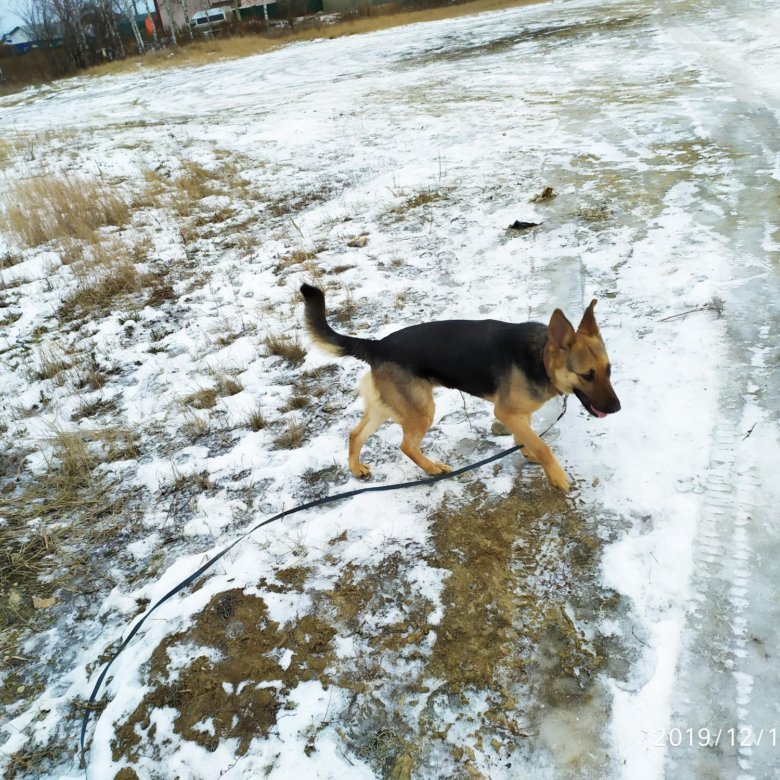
(323, 335)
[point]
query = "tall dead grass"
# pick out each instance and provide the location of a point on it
(48, 508)
(106, 274)
(56, 521)
(57, 206)
(183, 191)
(285, 346)
(50, 361)
(192, 184)
(6, 151)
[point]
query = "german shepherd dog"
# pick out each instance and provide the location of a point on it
(517, 367)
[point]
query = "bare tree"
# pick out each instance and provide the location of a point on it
(186, 9)
(69, 17)
(41, 20)
(99, 20)
(171, 21)
(109, 17)
(129, 10)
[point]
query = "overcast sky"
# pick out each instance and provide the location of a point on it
(9, 17)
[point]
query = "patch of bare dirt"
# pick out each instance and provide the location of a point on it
(225, 685)
(511, 662)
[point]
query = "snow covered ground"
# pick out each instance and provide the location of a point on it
(485, 627)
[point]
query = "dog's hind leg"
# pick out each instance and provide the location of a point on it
(414, 428)
(374, 415)
(372, 419)
(411, 400)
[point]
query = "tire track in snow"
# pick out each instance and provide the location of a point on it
(717, 631)
(726, 680)
(725, 685)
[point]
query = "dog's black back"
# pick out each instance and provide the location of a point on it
(468, 355)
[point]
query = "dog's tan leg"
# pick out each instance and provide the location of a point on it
(527, 454)
(374, 415)
(372, 419)
(534, 449)
(414, 428)
(410, 399)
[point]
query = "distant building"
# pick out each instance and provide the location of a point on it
(125, 28)
(21, 39)
(17, 37)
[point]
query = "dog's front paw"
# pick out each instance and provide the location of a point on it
(361, 471)
(557, 478)
(438, 468)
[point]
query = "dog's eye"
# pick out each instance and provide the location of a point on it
(589, 377)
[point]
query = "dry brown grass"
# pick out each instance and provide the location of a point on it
(153, 187)
(182, 194)
(90, 408)
(192, 184)
(9, 259)
(216, 217)
(50, 507)
(287, 347)
(108, 272)
(193, 483)
(256, 420)
(50, 361)
(6, 151)
(227, 385)
(120, 444)
(383, 18)
(76, 462)
(9, 318)
(93, 376)
(416, 204)
(100, 285)
(206, 398)
(55, 206)
(292, 435)
(195, 428)
(298, 400)
(346, 309)
(227, 332)
(295, 258)
(70, 250)
(58, 521)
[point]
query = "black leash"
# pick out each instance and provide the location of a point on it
(286, 513)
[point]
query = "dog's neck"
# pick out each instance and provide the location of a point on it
(547, 359)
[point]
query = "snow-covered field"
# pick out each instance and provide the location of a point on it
(483, 627)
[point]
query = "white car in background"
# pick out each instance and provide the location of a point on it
(211, 18)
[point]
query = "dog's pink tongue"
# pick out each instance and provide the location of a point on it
(599, 413)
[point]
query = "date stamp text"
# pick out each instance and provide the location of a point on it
(734, 737)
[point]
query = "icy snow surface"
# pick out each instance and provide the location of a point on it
(658, 126)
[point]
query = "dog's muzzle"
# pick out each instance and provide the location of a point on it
(603, 409)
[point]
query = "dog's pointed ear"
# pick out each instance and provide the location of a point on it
(588, 323)
(560, 331)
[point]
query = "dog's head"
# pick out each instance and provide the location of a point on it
(577, 362)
